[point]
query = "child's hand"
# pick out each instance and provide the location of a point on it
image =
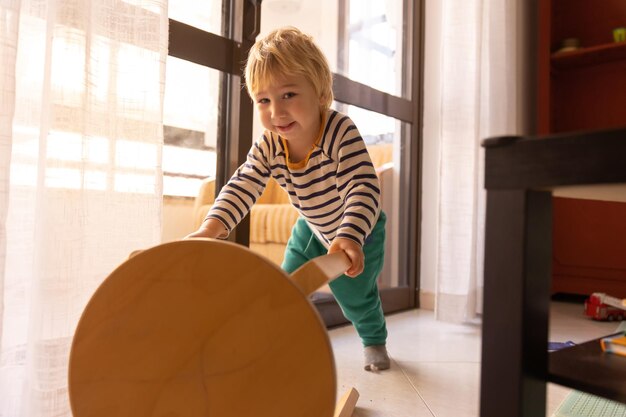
(354, 252)
(210, 228)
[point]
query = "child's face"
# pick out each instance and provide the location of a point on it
(291, 108)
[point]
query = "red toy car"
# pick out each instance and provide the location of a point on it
(600, 306)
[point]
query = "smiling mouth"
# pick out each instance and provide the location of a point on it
(285, 127)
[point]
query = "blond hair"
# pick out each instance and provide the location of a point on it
(289, 52)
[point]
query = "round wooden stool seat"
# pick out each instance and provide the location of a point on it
(200, 328)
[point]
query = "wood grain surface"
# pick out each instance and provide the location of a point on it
(200, 328)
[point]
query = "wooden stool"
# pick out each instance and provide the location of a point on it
(202, 327)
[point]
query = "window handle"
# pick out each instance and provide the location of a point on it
(252, 19)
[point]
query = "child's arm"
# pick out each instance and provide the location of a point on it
(354, 252)
(356, 177)
(238, 196)
(210, 228)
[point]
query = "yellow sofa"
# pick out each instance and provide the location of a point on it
(273, 216)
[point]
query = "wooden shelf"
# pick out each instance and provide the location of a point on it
(550, 161)
(518, 235)
(592, 55)
(586, 368)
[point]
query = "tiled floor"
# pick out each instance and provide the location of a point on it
(435, 367)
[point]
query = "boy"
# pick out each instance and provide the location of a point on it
(317, 155)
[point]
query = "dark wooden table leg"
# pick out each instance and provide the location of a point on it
(518, 256)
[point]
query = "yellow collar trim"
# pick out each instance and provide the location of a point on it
(301, 164)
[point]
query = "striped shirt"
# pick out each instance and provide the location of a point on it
(335, 189)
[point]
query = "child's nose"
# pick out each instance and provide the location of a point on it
(277, 110)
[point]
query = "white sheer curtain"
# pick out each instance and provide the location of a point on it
(81, 87)
(476, 97)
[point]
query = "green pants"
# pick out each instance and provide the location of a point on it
(358, 297)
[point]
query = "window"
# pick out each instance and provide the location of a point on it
(381, 98)
(202, 14)
(386, 138)
(78, 151)
(190, 114)
(374, 35)
(191, 104)
(368, 44)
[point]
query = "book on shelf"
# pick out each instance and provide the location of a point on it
(614, 344)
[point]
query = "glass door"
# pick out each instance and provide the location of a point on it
(374, 50)
(207, 124)
(369, 49)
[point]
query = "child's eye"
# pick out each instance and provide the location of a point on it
(289, 95)
(263, 101)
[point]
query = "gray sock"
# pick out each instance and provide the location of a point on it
(376, 358)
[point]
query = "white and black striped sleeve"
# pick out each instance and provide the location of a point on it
(245, 186)
(358, 183)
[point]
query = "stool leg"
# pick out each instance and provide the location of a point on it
(346, 404)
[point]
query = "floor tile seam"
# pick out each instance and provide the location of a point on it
(408, 379)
